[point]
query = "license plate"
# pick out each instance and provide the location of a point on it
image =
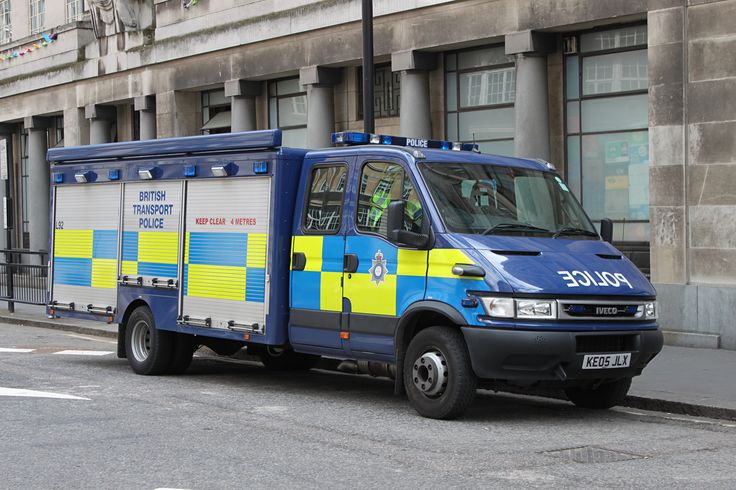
(606, 361)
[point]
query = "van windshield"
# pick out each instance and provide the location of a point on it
(491, 199)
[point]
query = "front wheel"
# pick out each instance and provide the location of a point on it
(602, 397)
(148, 349)
(438, 376)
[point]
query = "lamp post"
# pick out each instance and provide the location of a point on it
(369, 125)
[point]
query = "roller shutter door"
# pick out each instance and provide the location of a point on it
(151, 220)
(85, 243)
(225, 260)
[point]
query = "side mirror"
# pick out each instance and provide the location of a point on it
(395, 231)
(395, 223)
(607, 230)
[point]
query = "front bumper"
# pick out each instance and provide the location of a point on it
(529, 356)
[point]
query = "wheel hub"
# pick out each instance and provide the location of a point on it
(141, 341)
(430, 373)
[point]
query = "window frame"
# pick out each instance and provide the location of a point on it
(580, 133)
(359, 92)
(407, 174)
(6, 28)
(80, 4)
(278, 97)
(40, 17)
(308, 193)
(458, 109)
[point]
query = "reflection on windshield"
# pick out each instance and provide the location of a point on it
(490, 199)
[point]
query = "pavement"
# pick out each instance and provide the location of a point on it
(681, 380)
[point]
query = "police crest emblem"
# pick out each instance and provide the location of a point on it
(378, 271)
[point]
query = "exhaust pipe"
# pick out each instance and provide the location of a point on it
(372, 368)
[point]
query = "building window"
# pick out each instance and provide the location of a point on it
(480, 90)
(287, 109)
(216, 115)
(607, 117)
(6, 28)
(37, 12)
(386, 91)
(75, 10)
(58, 133)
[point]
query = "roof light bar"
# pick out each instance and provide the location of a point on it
(355, 138)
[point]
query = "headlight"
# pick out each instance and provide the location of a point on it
(539, 309)
(520, 308)
(650, 310)
(499, 307)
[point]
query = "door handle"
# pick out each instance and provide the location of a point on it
(298, 261)
(350, 263)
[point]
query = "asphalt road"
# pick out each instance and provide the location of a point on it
(233, 425)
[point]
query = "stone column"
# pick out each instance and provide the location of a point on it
(243, 104)
(178, 114)
(145, 106)
(100, 119)
(320, 103)
(415, 116)
(38, 182)
(531, 108)
(76, 127)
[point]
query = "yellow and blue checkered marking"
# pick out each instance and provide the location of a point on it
(150, 253)
(318, 286)
(86, 258)
(411, 275)
(229, 266)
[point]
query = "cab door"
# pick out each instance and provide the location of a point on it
(381, 278)
(318, 247)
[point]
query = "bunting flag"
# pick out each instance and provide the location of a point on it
(45, 40)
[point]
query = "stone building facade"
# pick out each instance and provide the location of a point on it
(632, 100)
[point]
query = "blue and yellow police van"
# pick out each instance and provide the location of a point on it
(421, 259)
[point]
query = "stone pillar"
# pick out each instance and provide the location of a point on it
(531, 108)
(38, 182)
(76, 127)
(100, 119)
(243, 104)
(178, 114)
(320, 103)
(145, 106)
(415, 115)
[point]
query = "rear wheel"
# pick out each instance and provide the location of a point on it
(148, 349)
(438, 376)
(605, 396)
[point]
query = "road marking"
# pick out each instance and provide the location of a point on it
(37, 394)
(94, 339)
(18, 351)
(83, 352)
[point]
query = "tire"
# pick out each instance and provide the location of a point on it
(276, 359)
(439, 350)
(603, 397)
(182, 353)
(148, 349)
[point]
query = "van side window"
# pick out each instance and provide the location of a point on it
(324, 202)
(381, 183)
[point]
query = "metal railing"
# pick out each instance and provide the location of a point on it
(23, 277)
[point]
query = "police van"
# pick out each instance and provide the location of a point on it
(424, 260)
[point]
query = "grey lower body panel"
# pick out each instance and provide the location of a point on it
(529, 356)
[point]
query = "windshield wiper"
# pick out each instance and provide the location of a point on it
(569, 230)
(514, 227)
